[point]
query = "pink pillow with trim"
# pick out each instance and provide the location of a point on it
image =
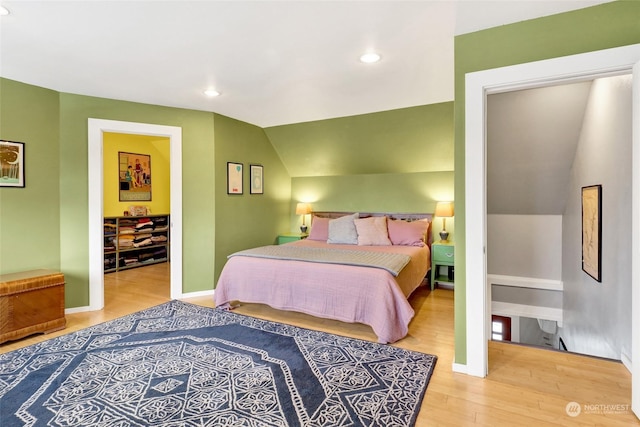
(319, 229)
(407, 233)
(372, 231)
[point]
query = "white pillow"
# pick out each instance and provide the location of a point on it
(372, 231)
(343, 230)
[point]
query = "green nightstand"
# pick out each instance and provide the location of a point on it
(442, 259)
(291, 237)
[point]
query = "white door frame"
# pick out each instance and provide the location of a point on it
(525, 76)
(97, 127)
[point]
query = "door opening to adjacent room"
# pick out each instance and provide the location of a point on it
(97, 130)
(543, 145)
(579, 67)
(136, 209)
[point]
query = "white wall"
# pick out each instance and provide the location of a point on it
(527, 296)
(597, 316)
(525, 246)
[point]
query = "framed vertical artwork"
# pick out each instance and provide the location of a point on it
(257, 179)
(592, 231)
(134, 176)
(11, 164)
(234, 178)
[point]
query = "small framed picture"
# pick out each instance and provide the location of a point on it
(234, 178)
(592, 231)
(11, 164)
(134, 177)
(257, 179)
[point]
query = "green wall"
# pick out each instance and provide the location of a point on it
(55, 202)
(400, 192)
(30, 216)
(247, 220)
(407, 140)
(198, 184)
(51, 213)
(390, 161)
(599, 27)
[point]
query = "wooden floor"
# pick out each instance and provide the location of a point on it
(525, 386)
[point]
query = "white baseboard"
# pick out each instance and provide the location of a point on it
(458, 367)
(626, 361)
(77, 309)
(197, 294)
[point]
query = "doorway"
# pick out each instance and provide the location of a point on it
(136, 198)
(543, 146)
(97, 128)
(566, 69)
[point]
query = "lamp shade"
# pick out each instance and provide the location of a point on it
(303, 208)
(444, 209)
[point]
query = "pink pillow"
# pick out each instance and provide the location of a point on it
(407, 233)
(319, 229)
(372, 231)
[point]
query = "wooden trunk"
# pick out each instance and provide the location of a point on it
(31, 302)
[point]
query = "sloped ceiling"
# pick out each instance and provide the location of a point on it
(532, 137)
(407, 140)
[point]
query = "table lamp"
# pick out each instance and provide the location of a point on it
(303, 209)
(444, 210)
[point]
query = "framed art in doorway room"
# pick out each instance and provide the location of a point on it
(11, 164)
(592, 231)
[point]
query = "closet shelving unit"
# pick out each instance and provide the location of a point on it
(135, 241)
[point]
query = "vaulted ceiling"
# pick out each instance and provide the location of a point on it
(274, 62)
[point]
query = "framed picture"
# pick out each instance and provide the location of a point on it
(134, 176)
(257, 179)
(592, 231)
(234, 178)
(11, 164)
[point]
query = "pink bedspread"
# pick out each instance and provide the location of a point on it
(348, 293)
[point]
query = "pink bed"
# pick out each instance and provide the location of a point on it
(348, 293)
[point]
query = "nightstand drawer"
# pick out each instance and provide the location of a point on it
(443, 253)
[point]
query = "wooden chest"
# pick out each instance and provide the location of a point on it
(31, 302)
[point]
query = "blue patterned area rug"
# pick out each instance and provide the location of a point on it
(180, 364)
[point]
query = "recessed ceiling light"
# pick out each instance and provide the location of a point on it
(370, 58)
(212, 93)
(4, 11)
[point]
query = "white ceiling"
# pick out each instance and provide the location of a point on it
(275, 62)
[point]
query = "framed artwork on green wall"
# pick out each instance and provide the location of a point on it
(11, 164)
(257, 179)
(234, 178)
(134, 176)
